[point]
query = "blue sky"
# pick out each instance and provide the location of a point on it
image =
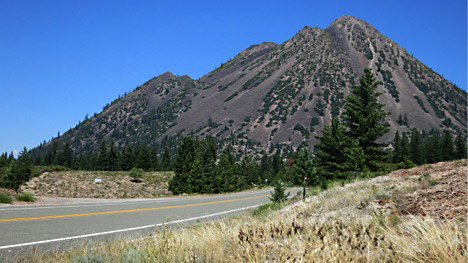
(60, 60)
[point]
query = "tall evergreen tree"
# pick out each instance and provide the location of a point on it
(416, 149)
(143, 160)
(180, 183)
(103, 161)
(276, 164)
(448, 151)
(397, 151)
(65, 156)
(209, 157)
(405, 148)
(365, 118)
(433, 147)
(18, 171)
(249, 172)
(337, 155)
(196, 176)
(265, 170)
(166, 160)
(113, 158)
(460, 144)
(225, 170)
(51, 155)
(304, 168)
(126, 158)
(4, 160)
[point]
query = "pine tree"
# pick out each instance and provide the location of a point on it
(448, 152)
(397, 152)
(405, 148)
(279, 195)
(400, 120)
(338, 156)
(249, 171)
(265, 170)
(365, 117)
(103, 162)
(155, 166)
(51, 156)
(225, 171)
(18, 171)
(4, 160)
(126, 158)
(196, 178)
(113, 158)
(416, 149)
(65, 156)
(166, 160)
(460, 144)
(209, 156)
(180, 183)
(143, 160)
(304, 168)
(276, 164)
(433, 147)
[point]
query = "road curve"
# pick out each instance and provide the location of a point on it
(25, 228)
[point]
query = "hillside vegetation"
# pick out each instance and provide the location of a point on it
(413, 215)
(81, 184)
(276, 95)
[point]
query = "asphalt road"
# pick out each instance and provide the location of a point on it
(23, 229)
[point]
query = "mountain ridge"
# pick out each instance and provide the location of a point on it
(279, 94)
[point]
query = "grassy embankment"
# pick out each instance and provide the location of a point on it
(371, 220)
(81, 184)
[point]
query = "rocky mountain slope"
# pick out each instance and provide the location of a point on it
(272, 94)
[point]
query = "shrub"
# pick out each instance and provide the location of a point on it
(26, 197)
(5, 198)
(279, 195)
(428, 179)
(324, 185)
(38, 170)
(409, 164)
(136, 173)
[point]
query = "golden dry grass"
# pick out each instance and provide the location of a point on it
(342, 224)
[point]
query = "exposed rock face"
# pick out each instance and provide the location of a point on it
(280, 94)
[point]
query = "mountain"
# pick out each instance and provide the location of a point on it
(280, 95)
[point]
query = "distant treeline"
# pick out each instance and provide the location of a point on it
(348, 148)
(108, 158)
(428, 147)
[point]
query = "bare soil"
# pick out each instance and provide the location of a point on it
(444, 198)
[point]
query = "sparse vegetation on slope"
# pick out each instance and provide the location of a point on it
(83, 184)
(299, 82)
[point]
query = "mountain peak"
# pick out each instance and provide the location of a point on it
(280, 95)
(345, 20)
(167, 74)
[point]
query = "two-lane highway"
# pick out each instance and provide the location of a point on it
(24, 227)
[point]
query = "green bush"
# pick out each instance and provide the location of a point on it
(264, 209)
(428, 179)
(26, 197)
(136, 173)
(409, 164)
(5, 198)
(39, 169)
(279, 195)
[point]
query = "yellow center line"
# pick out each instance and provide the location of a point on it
(126, 211)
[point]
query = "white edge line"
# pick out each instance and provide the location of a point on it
(159, 200)
(126, 229)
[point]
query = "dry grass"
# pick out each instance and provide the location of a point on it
(354, 223)
(80, 184)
